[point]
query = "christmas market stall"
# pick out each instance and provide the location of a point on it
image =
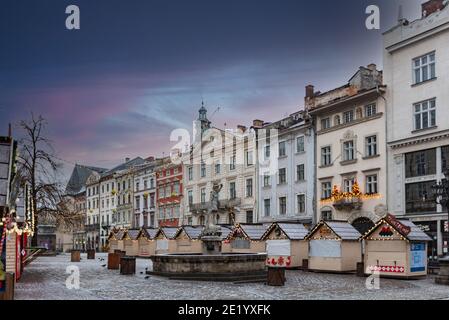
(286, 245)
(396, 248)
(165, 240)
(334, 246)
(147, 242)
(245, 238)
(188, 239)
(115, 240)
(130, 242)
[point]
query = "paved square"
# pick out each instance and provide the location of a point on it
(45, 279)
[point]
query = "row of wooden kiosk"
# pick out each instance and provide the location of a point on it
(392, 247)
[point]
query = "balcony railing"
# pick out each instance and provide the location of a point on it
(222, 204)
(348, 203)
(92, 227)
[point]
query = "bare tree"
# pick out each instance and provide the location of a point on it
(39, 168)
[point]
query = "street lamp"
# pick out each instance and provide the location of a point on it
(441, 193)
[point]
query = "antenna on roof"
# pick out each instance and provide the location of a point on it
(400, 15)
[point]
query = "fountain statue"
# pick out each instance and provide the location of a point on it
(211, 235)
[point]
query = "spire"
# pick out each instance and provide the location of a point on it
(202, 117)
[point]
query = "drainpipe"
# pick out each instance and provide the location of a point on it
(386, 145)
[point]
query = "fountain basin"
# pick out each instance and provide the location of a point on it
(217, 267)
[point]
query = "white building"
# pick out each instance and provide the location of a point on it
(416, 65)
(351, 149)
(108, 204)
(220, 157)
(145, 195)
(92, 226)
(286, 191)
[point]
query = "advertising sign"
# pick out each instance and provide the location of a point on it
(418, 257)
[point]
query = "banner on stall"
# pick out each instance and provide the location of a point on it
(418, 257)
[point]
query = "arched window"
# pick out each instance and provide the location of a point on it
(326, 214)
(363, 224)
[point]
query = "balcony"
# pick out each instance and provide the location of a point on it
(222, 205)
(92, 227)
(348, 203)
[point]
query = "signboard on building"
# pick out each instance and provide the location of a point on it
(418, 257)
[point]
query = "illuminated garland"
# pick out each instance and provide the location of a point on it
(337, 195)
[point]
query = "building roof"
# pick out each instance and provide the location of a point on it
(251, 231)
(294, 231)
(133, 234)
(126, 165)
(225, 231)
(119, 234)
(415, 233)
(169, 232)
(342, 229)
(79, 177)
(193, 232)
(150, 233)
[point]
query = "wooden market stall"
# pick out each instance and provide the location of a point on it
(334, 246)
(165, 240)
(245, 238)
(396, 248)
(188, 239)
(286, 244)
(130, 242)
(147, 242)
(115, 240)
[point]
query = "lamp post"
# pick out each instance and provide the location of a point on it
(441, 193)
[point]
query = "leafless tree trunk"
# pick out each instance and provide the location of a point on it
(39, 167)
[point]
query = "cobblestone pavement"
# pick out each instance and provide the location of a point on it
(45, 279)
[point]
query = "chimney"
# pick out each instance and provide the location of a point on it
(9, 130)
(372, 67)
(127, 159)
(431, 6)
(241, 128)
(310, 91)
(257, 123)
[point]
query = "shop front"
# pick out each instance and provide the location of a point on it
(130, 242)
(147, 242)
(245, 238)
(165, 240)
(188, 240)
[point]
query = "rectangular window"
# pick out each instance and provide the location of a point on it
(217, 168)
(249, 188)
(326, 190)
(300, 144)
(137, 186)
(282, 176)
(232, 190)
(203, 170)
(424, 68)
(232, 163)
(370, 110)
(326, 156)
(267, 152)
(371, 146)
(418, 197)
(266, 207)
(347, 184)
(249, 158)
(190, 173)
(300, 172)
(425, 114)
(444, 158)
(266, 180)
(348, 151)
(325, 123)
(145, 184)
(190, 196)
(420, 163)
(282, 151)
(301, 203)
(203, 195)
(138, 202)
(348, 116)
(283, 205)
(371, 184)
(249, 216)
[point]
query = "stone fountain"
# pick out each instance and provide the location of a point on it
(211, 264)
